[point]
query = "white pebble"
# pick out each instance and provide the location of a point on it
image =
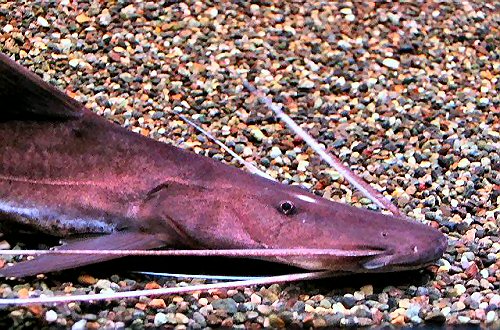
(80, 325)
(74, 62)
(50, 316)
(350, 18)
(346, 11)
(8, 28)
(484, 101)
(160, 319)
(275, 152)
(302, 165)
(391, 63)
(491, 317)
(42, 21)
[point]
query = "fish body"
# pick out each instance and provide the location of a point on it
(66, 171)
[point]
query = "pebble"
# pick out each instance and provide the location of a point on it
(275, 152)
(228, 305)
(491, 317)
(181, 318)
(391, 63)
(8, 28)
(50, 316)
(306, 84)
(463, 163)
(80, 325)
(160, 319)
(42, 22)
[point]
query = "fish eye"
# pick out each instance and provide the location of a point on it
(384, 234)
(287, 207)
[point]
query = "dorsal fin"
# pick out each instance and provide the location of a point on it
(24, 95)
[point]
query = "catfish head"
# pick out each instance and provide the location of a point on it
(239, 210)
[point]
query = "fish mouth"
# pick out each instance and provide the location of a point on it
(407, 261)
(336, 259)
(385, 263)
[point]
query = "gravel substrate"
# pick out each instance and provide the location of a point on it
(407, 95)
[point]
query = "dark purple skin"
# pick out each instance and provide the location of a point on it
(66, 171)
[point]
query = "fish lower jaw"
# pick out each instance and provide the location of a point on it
(385, 264)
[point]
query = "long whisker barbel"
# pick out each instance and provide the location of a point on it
(167, 291)
(205, 253)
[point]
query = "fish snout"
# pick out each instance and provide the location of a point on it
(415, 253)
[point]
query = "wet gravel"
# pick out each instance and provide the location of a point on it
(406, 94)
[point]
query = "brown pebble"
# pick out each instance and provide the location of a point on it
(276, 322)
(36, 309)
(472, 271)
(213, 320)
(92, 325)
(141, 306)
(227, 323)
(23, 293)
(87, 280)
(319, 322)
(399, 320)
(157, 303)
(152, 285)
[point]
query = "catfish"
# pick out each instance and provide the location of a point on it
(68, 172)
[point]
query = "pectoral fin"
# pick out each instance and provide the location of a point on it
(116, 241)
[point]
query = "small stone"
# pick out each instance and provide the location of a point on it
(50, 316)
(367, 290)
(181, 318)
(299, 306)
(457, 306)
(302, 166)
(306, 84)
(103, 284)
(325, 303)
(4, 245)
(319, 322)
(348, 301)
(344, 45)
(275, 152)
(160, 319)
(491, 317)
(257, 134)
(346, 11)
(276, 322)
(308, 308)
(252, 315)
(483, 102)
(82, 18)
(463, 163)
(460, 289)
(74, 62)
(435, 317)
(413, 311)
(463, 319)
(7, 28)
(404, 303)
(203, 301)
(87, 280)
(228, 305)
(199, 319)
(105, 18)
(264, 309)
(42, 22)
(157, 303)
(80, 325)
(391, 63)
